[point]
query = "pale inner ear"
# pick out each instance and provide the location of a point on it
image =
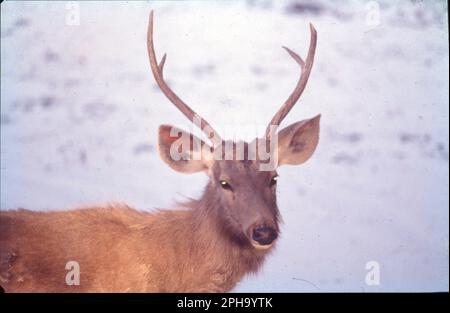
(183, 151)
(297, 142)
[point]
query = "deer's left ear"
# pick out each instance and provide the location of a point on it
(297, 142)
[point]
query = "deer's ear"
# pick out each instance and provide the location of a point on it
(183, 151)
(297, 142)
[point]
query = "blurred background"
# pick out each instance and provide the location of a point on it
(80, 112)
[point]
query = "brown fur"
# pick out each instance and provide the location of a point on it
(121, 250)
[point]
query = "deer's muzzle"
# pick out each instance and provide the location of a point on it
(262, 237)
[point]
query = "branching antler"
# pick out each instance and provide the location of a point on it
(157, 70)
(306, 67)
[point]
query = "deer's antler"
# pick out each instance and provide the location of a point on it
(157, 70)
(305, 67)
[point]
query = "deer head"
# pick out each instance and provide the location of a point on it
(246, 194)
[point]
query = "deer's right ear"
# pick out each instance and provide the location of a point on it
(183, 151)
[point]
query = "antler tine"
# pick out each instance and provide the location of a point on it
(157, 70)
(306, 67)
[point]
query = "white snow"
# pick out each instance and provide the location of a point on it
(80, 111)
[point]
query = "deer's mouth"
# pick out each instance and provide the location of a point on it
(259, 246)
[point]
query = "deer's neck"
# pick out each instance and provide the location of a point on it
(226, 254)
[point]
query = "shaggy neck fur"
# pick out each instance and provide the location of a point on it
(227, 253)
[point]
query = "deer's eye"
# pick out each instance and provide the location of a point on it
(225, 185)
(273, 181)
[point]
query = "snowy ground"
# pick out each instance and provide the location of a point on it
(80, 110)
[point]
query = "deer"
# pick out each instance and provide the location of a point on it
(203, 245)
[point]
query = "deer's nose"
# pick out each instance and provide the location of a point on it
(264, 235)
